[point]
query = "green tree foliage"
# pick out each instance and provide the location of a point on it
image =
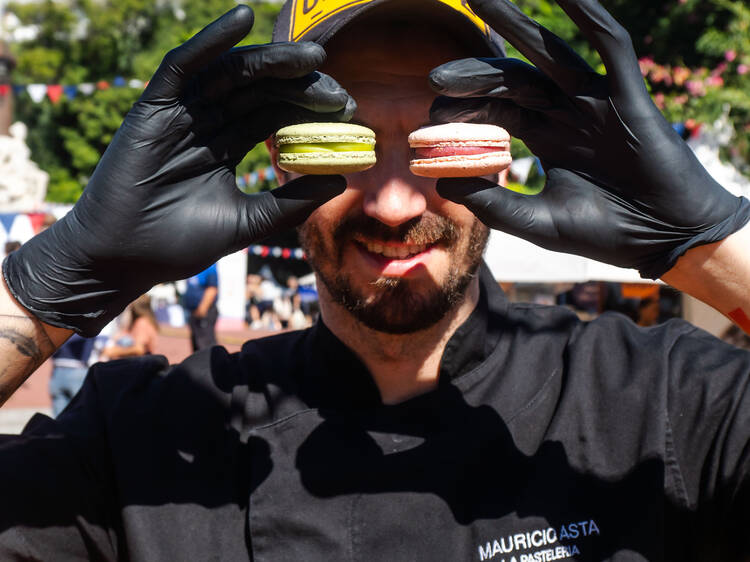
(93, 41)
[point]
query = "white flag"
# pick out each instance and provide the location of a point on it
(37, 91)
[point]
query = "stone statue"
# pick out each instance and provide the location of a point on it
(22, 184)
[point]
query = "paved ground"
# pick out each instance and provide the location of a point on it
(33, 395)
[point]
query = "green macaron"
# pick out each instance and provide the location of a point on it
(325, 148)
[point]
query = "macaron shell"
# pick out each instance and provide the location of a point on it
(318, 163)
(463, 166)
(459, 133)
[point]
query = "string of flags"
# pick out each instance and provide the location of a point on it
(37, 92)
(252, 179)
(277, 252)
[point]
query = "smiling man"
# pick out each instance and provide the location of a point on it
(425, 417)
(396, 263)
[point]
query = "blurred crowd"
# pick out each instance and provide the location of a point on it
(271, 305)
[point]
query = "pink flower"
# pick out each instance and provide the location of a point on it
(659, 100)
(646, 64)
(661, 74)
(680, 74)
(681, 99)
(742, 69)
(719, 69)
(695, 88)
(730, 55)
(715, 81)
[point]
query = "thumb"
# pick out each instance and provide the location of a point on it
(289, 205)
(525, 216)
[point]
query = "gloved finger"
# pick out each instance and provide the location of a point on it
(244, 65)
(526, 216)
(316, 92)
(503, 113)
(499, 78)
(288, 205)
(542, 47)
(181, 63)
(611, 40)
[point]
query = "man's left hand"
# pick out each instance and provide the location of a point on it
(622, 187)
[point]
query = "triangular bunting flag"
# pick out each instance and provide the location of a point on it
(37, 220)
(119, 81)
(54, 91)
(70, 91)
(37, 91)
(102, 85)
(17, 88)
(6, 219)
(86, 88)
(21, 229)
(135, 83)
(4, 89)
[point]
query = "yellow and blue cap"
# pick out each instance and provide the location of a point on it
(319, 20)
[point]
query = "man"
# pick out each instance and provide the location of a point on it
(199, 302)
(425, 417)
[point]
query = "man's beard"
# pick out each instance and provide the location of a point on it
(397, 307)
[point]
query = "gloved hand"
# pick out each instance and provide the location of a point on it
(163, 203)
(622, 187)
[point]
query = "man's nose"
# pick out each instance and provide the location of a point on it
(392, 194)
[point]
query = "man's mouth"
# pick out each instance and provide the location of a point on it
(394, 251)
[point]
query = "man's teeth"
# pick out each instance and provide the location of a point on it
(396, 252)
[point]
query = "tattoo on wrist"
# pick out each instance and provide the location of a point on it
(35, 345)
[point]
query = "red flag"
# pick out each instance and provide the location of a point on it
(4, 89)
(37, 220)
(102, 85)
(54, 91)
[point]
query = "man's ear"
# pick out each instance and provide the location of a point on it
(282, 176)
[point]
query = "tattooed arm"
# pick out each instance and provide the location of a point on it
(719, 275)
(25, 343)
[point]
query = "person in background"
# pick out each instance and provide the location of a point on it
(12, 246)
(141, 335)
(252, 300)
(648, 312)
(199, 302)
(70, 363)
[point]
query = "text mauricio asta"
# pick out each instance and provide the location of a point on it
(540, 538)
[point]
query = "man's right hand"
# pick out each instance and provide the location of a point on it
(163, 203)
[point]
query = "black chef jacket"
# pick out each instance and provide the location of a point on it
(546, 439)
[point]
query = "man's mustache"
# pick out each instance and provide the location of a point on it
(424, 229)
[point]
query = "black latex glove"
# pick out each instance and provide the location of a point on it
(622, 187)
(163, 202)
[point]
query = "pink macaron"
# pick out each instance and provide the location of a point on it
(459, 150)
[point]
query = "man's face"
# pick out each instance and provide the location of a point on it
(390, 249)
